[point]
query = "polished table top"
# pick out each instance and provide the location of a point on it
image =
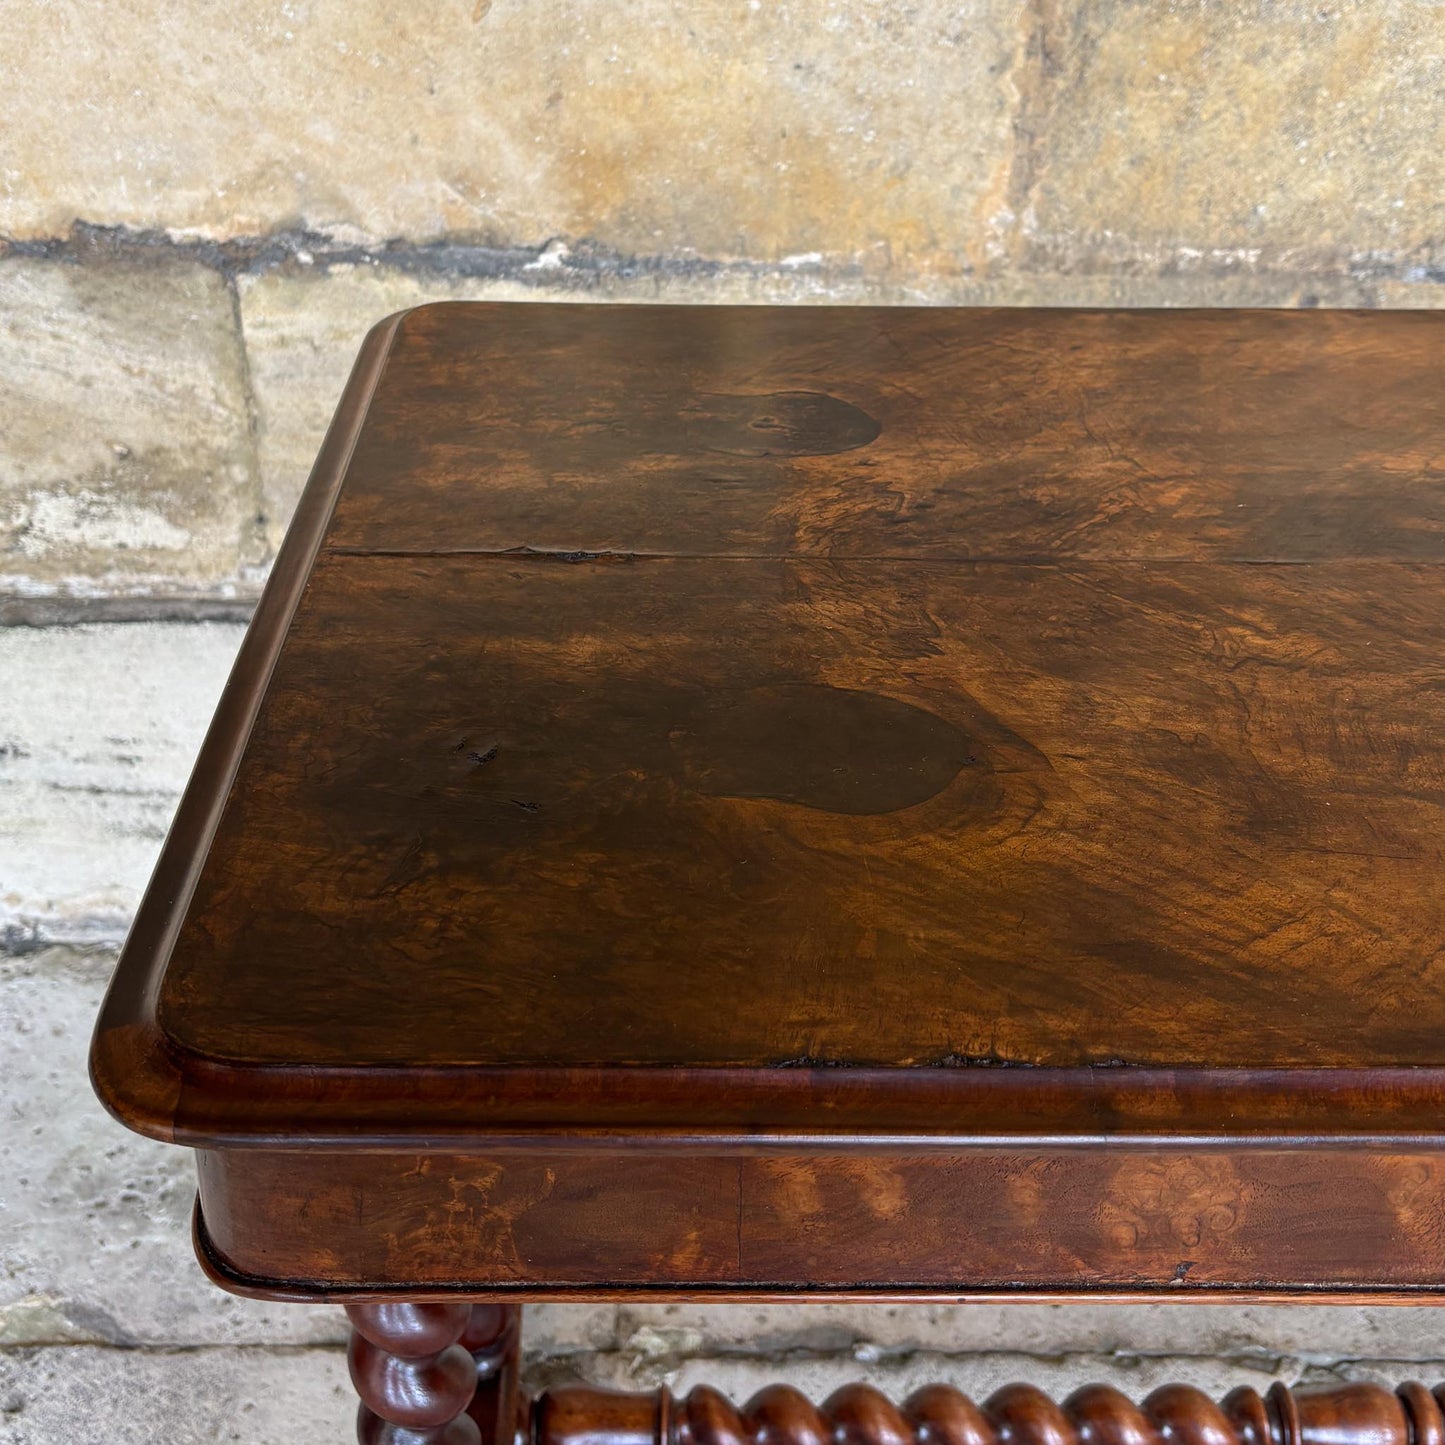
(804, 722)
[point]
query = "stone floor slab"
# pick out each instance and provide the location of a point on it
(92, 1396)
(99, 727)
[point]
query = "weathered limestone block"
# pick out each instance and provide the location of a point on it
(720, 129)
(1265, 132)
(95, 1236)
(126, 461)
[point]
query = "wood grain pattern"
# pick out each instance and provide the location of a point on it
(1015, 434)
(764, 814)
(1163, 1223)
(650, 708)
(706, 787)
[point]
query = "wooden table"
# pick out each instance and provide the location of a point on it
(739, 803)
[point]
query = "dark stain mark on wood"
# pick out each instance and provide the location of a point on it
(780, 424)
(830, 748)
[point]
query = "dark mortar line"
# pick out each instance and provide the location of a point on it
(583, 266)
(88, 611)
(587, 265)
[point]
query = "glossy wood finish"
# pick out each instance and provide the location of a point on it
(434, 1374)
(705, 786)
(757, 815)
(1158, 1223)
(799, 803)
(1361, 1414)
(829, 724)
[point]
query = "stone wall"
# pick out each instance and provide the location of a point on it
(202, 209)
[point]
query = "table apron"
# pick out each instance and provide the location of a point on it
(1125, 1221)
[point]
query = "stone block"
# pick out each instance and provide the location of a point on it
(719, 130)
(126, 462)
(1421, 294)
(1274, 133)
(95, 1221)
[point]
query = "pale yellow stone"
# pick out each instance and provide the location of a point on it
(1410, 296)
(1263, 132)
(126, 462)
(723, 128)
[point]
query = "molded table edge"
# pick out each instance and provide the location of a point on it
(131, 1065)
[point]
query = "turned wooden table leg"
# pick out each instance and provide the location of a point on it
(1355, 1414)
(434, 1374)
(493, 1336)
(447, 1374)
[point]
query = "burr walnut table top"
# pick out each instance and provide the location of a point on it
(747, 724)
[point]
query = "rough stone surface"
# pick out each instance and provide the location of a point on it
(89, 1396)
(125, 454)
(719, 129)
(99, 726)
(95, 1221)
(1262, 132)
